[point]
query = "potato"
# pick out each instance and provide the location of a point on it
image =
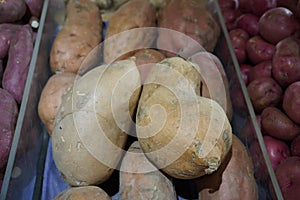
(82, 193)
(286, 61)
(7, 32)
(11, 11)
(264, 92)
(18, 63)
(277, 24)
(131, 15)
(261, 70)
(192, 19)
(8, 119)
(291, 102)
(248, 22)
(35, 7)
(140, 179)
(234, 180)
(185, 135)
(295, 146)
(51, 97)
(259, 50)
(278, 125)
(145, 59)
(259, 7)
(248, 133)
(80, 35)
(245, 69)
(239, 38)
(91, 125)
(214, 82)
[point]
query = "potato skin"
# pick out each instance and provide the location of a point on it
(140, 179)
(11, 11)
(191, 18)
(80, 34)
(8, 119)
(91, 124)
(291, 101)
(163, 92)
(133, 14)
(7, 32)
(82, 193)
(234, 180)
(262, 69)
(51, 97)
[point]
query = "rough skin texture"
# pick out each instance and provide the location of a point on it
(82, 193)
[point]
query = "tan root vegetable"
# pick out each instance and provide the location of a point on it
(185, 135)
(141, 180)
(82, 193)
(51, 97)
(91, 125)
(214, 82)
(131, 15)
(234, 180)
(80, 34)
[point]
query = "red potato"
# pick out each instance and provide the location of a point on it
(277, 24)
(259, 7)
(264, 92)
(259, 50)
(291, 102)
(244, 6)
(295, 146)
(248, 22)
(288, 176)
(286, 61)
(35, 7)
(277, 124)
(8, 119)
(261, 70)
(15, 74)
(230, 16)
(248, 133)
(245, 69)
(239, 39)
(11, 11)
(7, 32)
(289, 4)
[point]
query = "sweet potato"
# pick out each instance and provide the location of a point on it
(20, 52)
(214, 82)
(140, 179)
(291, 102)
(192, 19)
(131, 15)
(234, 180)
(278, 125)
(145, 59)
(264, 92)
(51, 97)
(277, 24)
(91, 125)
(261, 70)
(8, 119)
(80, 34)
(286, 61)
(84, 192)
(7, 32)
(171, 112)
(259, 50)
(35, 7)
(11, 11)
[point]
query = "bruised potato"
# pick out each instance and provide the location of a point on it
(91, 125)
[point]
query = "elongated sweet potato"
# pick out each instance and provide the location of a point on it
(131, 15)
(7, 32)
(8, 118)
(91, 125)
(80, 34)
(185, 135)
(81, 193)
(35, 7)
(51, 97)
(141, 180)
(1, 71)
(20, 52)
(11, 11)
(234, 180)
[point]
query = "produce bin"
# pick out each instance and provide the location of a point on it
(31, 172)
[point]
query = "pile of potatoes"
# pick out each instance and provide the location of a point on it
(153, 115)
(19, 20)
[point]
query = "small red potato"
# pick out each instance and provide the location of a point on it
(245, 69)
(239, 39)
(259, 50)
(277, 24)
(291, 101)
(261, 70)
(248, 22)
(264, 92)
(259, 7)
